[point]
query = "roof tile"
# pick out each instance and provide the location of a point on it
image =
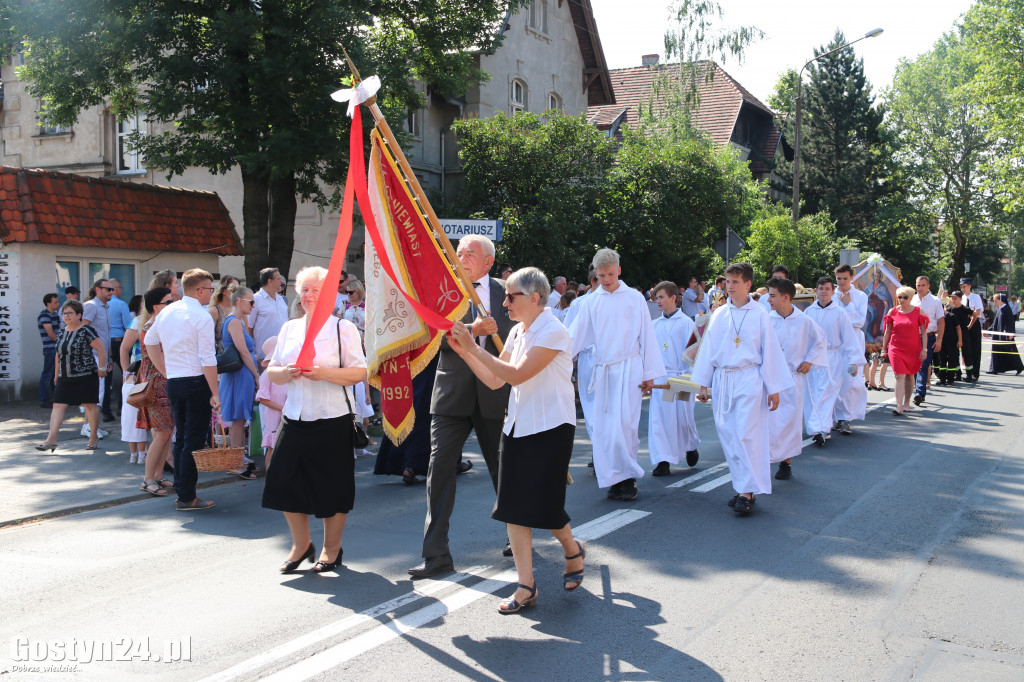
(77, 210)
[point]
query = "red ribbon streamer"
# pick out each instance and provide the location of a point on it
(355, 182)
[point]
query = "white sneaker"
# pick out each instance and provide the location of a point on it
(102, 433)
(142, 458)
(133, 458)
(86, 430)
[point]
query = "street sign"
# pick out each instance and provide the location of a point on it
(735, 246)
(457, 228)
(1000, 287)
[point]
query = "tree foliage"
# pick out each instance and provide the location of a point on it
(246, 83)
(564, 190)
(944, 145)
(839, 140)
(809, 247)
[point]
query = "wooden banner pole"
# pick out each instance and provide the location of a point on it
(426, 209)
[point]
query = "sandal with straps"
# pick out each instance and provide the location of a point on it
(153, 488)
(510, 605)
(575, 578)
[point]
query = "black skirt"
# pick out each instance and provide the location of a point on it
(77, 390)
(532, 473)
(313, 468)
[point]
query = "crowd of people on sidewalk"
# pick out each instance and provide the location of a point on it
(196, 352)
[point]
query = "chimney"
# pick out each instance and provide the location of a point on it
(649, 60)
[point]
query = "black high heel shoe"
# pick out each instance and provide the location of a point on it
(290, 566)
(322, 566)
(46, 446)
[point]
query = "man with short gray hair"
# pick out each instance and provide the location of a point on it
(557, 291)
(269, 309)
(616, 323)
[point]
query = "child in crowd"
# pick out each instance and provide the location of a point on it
(845, 352)
(271, 398)
(671, 428)
(803, 344)
(742, 362)
(947, 363)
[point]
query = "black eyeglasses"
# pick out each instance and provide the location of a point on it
(902, 297)
(510, 295)
(165, 302)
(250, 301)
(106, 288)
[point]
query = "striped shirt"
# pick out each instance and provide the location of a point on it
(52, 319)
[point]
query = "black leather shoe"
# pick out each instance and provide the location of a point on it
(663, 469)
(507, 551)
(435, 565)
(463, 466)
(918, 399)
(692, 457)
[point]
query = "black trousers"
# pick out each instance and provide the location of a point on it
(973, 354)
(447, 438)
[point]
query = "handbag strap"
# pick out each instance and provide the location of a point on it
(341, 364)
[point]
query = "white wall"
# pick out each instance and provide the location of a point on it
(37, 277)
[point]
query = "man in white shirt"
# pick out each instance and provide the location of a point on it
(972, 362)
(269, 310)
(617, 324)
(180, 344)
(932, 307)
(558, 290)
(693, 295)
(719, 288)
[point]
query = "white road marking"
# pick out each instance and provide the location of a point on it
(396, 627)
(696, 477)
(711, 485)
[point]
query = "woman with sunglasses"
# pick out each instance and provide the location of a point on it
(238, 388)
(77, 374)
(905, 343)
(537, 438)
(158, 417)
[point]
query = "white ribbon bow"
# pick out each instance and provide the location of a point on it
(355, 96)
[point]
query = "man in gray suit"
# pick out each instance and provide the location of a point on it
(462, 403)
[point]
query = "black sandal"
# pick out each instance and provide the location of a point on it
(574, 579)
(323, 566)
(510, 605)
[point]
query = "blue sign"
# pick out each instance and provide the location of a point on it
(457, 228)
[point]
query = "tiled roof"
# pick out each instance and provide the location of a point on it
(78, 210)
(721, 101)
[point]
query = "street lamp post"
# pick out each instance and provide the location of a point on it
(796, 122)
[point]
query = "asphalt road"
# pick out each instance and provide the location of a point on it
(894, 553)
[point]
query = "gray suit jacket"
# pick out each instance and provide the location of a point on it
(457, 391)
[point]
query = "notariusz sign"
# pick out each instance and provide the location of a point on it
(457, 228)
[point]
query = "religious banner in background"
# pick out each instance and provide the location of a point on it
(398, 342)
(879, 279)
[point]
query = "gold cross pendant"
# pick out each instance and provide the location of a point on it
(737, 339)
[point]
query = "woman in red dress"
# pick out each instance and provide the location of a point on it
(904, 343)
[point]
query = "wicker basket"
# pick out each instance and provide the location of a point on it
(219, 458)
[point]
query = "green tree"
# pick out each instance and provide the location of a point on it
(544, 177)
(994, 37)
(839, 139)
(809, 248)
(944, 146)
(246, 83)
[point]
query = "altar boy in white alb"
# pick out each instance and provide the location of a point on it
(852, 402)
(803, 343)
(671, 429)
(845, 346)
(617, 323)
(741, 361)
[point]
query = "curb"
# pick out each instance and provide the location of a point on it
(45, 516)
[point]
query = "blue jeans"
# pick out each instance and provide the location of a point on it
(46, 378)
(921, 385)
(190, 403)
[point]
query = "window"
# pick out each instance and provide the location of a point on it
(554, 102)
(517, 96)
(129, 160)
(122, 272)
(47, 128)
(537, 16)
(413, 122)
(68, 275)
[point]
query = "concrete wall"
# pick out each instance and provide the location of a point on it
(36, 276)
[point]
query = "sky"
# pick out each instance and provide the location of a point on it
(793, 28)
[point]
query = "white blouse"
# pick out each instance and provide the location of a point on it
(546, 400)
(310, 400)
